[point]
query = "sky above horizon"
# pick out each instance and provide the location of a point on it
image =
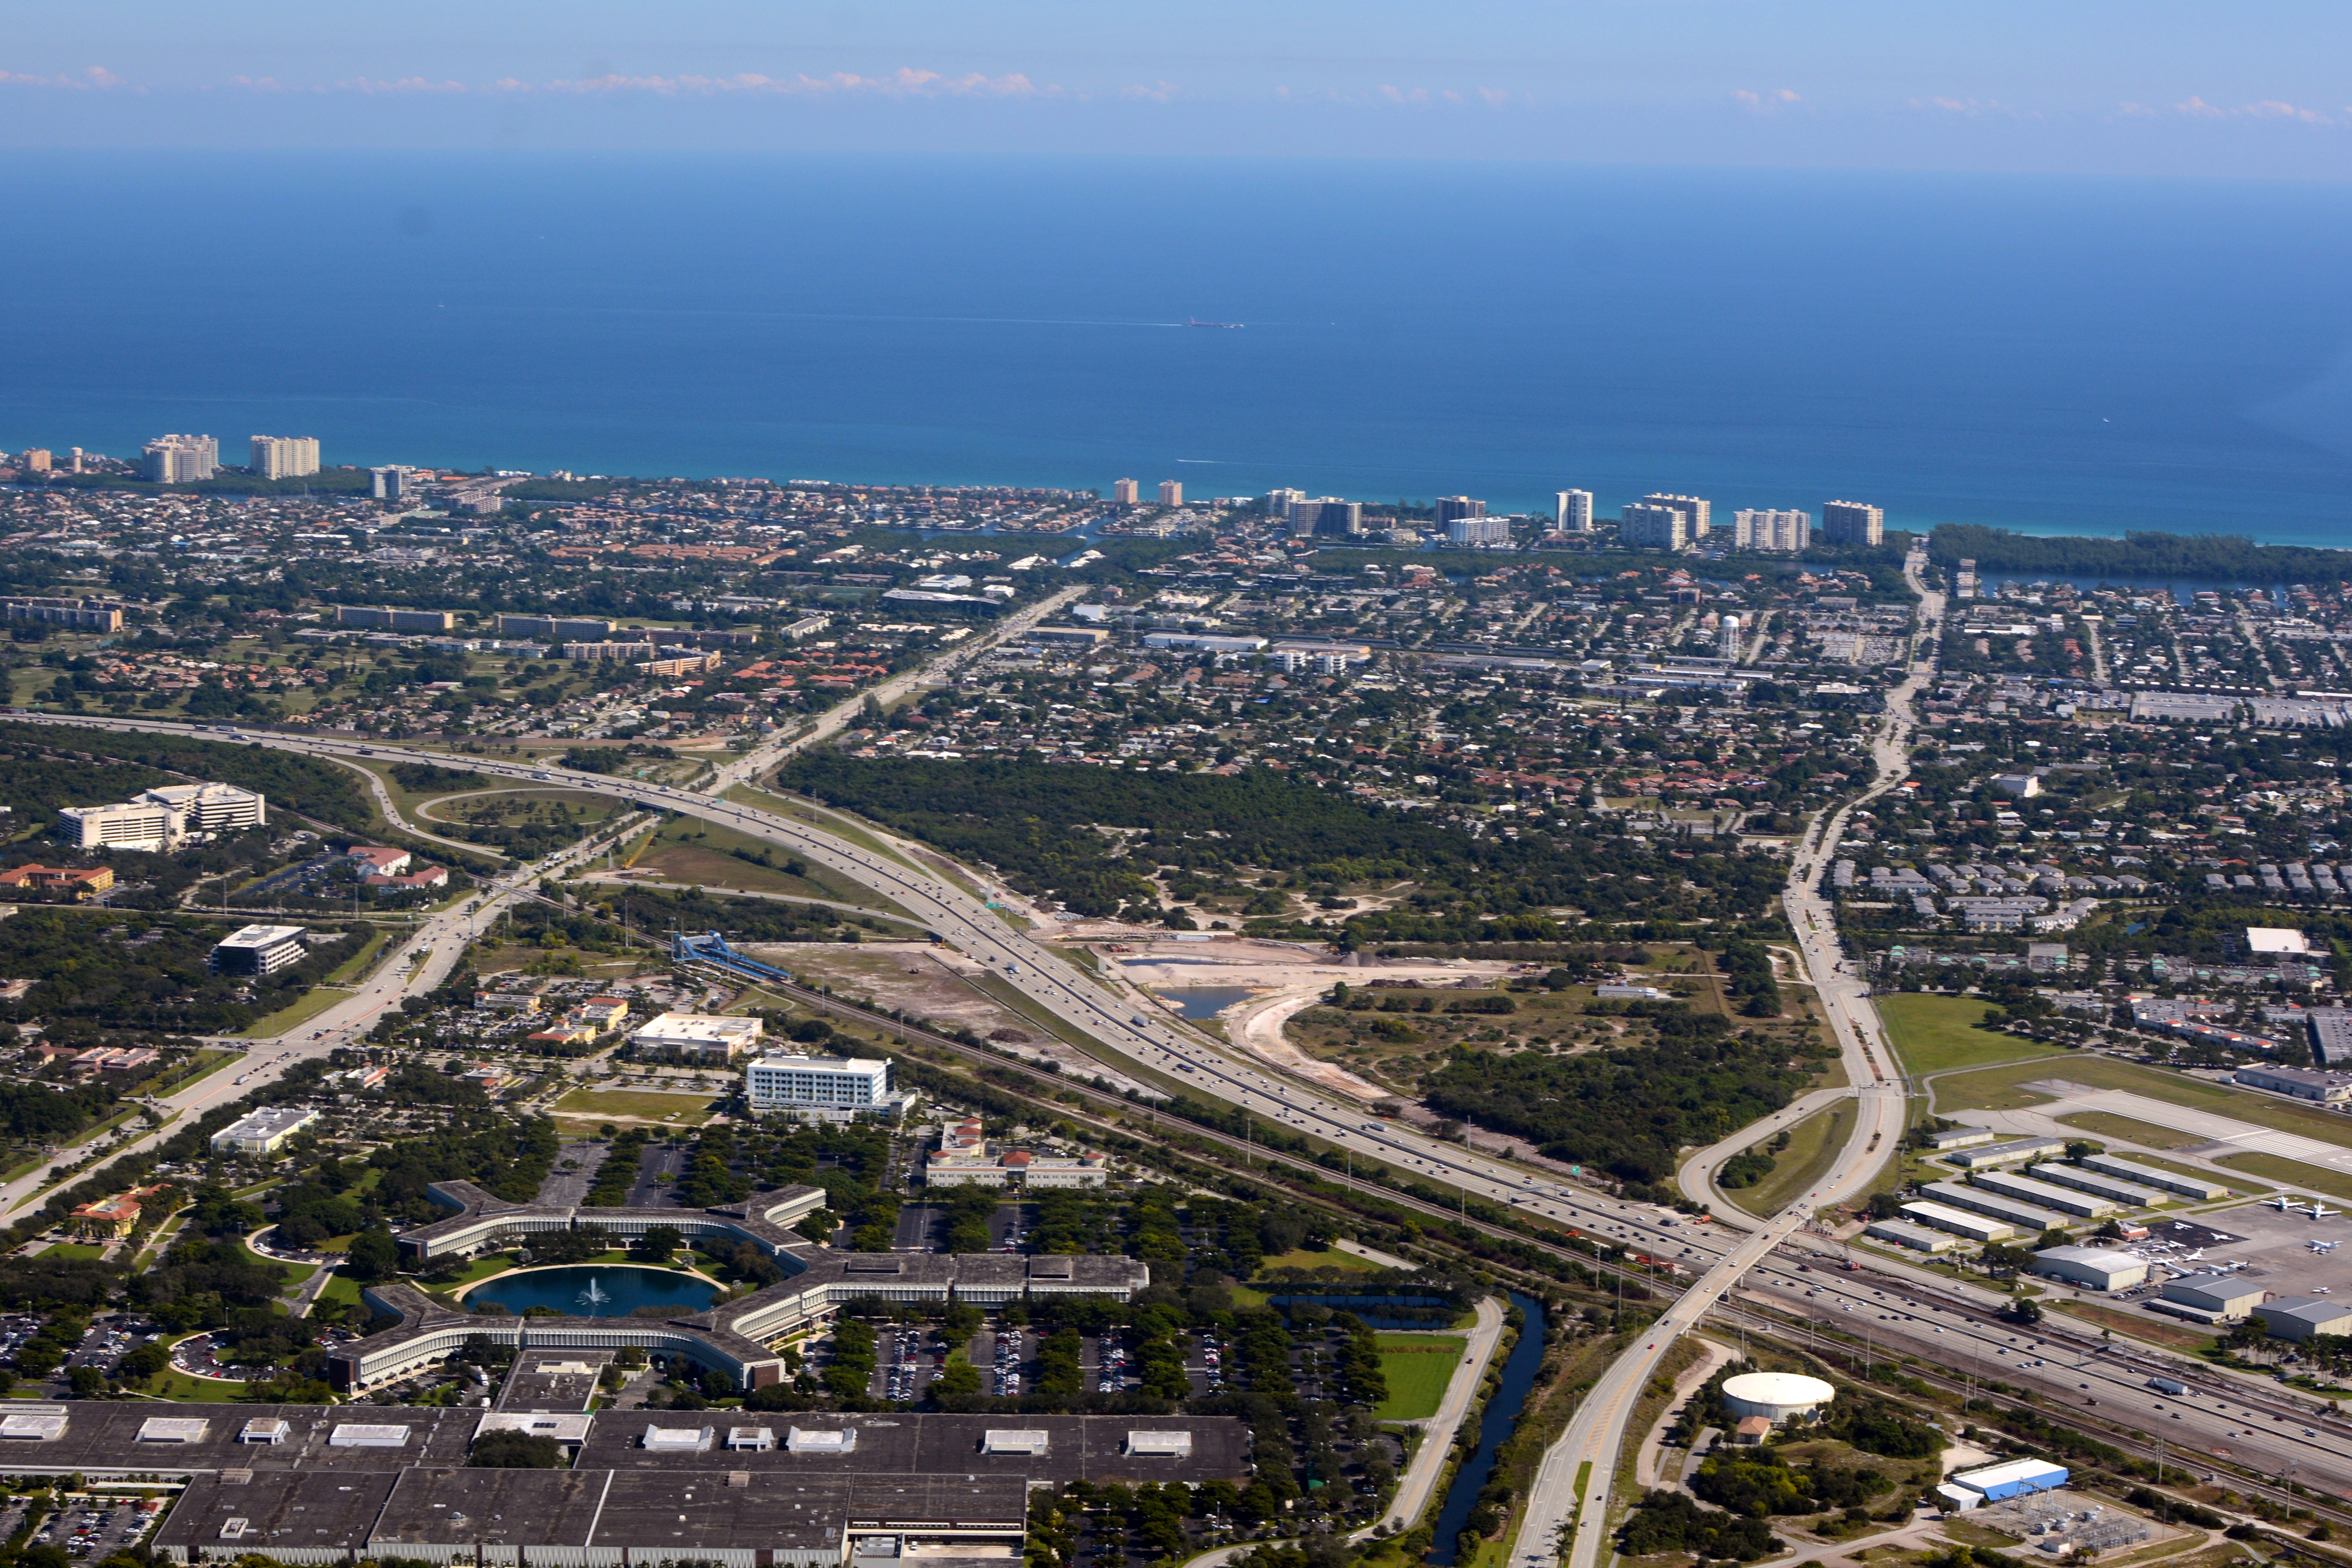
(2100, 88)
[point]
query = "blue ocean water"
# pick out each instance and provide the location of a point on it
(2057, 356)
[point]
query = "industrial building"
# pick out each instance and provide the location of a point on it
(1977, 1156)
(2026, 1216)
(1778, 1396)
(1958, 1138)
(312, 1485)
(1997, 1483)
(1975, 1227)
(700, 1034)
(1915, 1237)
(2331, 1035)
(2155, 1176)
(2065, 1200)
(2099, 1184)
(2094, 1267)
(2323, 1087)
(2208, 1297)
(2305, 1317)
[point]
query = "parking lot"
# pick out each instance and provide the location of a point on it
(92, 1526)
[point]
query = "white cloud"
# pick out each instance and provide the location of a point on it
(96, 79)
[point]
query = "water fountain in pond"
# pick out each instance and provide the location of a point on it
(594, 1298)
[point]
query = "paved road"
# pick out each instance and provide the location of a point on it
(414, 963)
(841, 715)
(1596, 1435)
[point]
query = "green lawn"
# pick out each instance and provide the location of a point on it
(1417, 1367)
(644, 1105)
(1813, 1146)
(76, 1249)
(351, 968)
(341, 1287)
(293, 1016)
(1937, 1033)
(1335, 1258)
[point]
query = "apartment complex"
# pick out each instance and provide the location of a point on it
(1450, 508)
(386, 618)
(393, 481)
(1853, 522)
(1171, 492)
(1645, 526)
(1697, 514)
(1769, 529)
(1572, 512)
(160, 817)
(1124, 493)
(180, 459)
(555, 629)
(81, 615)
(1327, 515)
(285, 457)
(1479, 532)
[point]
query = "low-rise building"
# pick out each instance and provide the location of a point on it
(2208, 1297)
(263, 1131)
(1916, 1237)
(2325, 1088)
(1958, 1138)
(2013, 1151)
(2113, 1188)
(2306, 1317)
(1975, 1227)
(2156, 1177)
(111, 1219)
(719, 1037)
(2026, 1216)
(85, 882)
(2065, 1200)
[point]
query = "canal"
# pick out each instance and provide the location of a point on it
(1502, 1415)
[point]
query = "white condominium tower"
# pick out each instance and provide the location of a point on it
(285, 457)
(1767, 530)
(180, 459)
(1696, 514)
(1572, 512)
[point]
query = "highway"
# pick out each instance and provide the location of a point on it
(1090, 1007)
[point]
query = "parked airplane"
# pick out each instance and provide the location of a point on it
(2324, 1246)
(2321, 1211)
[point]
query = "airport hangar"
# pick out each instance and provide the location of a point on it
(315, 1485)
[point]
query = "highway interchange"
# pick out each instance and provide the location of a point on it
(1925, 1314)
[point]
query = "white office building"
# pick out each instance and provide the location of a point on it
(1572, 512)
(263, 1131)
(160, 818)
(1754, 529)
(285, 457)
(180, 459)
(822, 1088)
(256, 950)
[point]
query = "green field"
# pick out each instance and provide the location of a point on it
(293, 1016)
(1417, 1367)
(1939, 1034)
(2293, 1173)
(646, 1104)
(2107, 1124)
(1996, 1088)
(1335, 1258)
(1813, 1146)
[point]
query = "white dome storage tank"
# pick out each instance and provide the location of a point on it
(1776, 1396)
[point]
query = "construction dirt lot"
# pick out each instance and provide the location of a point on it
(927, 982)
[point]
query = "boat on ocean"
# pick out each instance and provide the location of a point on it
(1227, 326)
